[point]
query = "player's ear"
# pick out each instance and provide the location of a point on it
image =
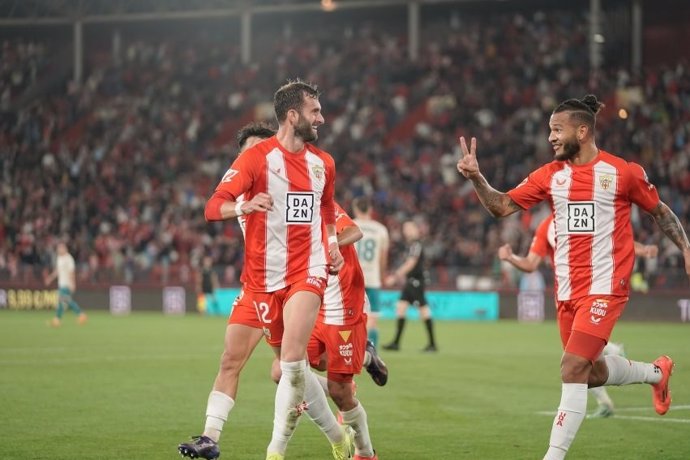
(292, 116)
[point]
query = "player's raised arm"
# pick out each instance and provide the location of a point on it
(668, 222)
(499, 204)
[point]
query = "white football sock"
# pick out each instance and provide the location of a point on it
(217, 409)
(625, 372)
(357, 419)
(570, 414)
(602, 397)
(288, 405)
(318, 409)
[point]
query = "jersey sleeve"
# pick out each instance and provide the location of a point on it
(540, 241)
(342, 220)
(237, 180)
(641, 191)
(328, 212)
(532, 190)
(415, 250)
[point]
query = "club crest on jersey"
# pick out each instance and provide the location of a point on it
(345, 335)
(605, 180)
(318, 171)
(229, 174)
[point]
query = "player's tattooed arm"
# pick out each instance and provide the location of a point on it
(499, 204)
(668, 222)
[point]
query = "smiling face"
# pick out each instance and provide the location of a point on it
(309, 118)
(565, 136)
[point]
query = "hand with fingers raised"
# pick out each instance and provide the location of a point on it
(467, 165)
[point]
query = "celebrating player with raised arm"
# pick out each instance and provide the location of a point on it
(591, 193)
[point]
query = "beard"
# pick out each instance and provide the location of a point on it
(570, 149)
(304, 131)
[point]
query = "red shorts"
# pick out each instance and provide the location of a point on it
(243, 312)
(592, 315)
(269, 306)
(344, 347)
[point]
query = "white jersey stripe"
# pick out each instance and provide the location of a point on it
(276, 230)
(605, 187)
(317, 175)
(560, 191)
(333, 303)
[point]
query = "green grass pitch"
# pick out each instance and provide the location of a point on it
(134, 387)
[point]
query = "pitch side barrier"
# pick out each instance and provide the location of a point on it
(672, 306)
(668, 306)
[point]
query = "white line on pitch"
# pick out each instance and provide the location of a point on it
(635, 409)
(634, 417)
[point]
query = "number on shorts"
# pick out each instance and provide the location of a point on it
(262, 310)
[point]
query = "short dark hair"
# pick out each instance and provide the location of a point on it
(361, 204)
(583, 110)
(291, 95)
(254, 129)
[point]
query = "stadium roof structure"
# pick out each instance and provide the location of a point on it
(36, 12)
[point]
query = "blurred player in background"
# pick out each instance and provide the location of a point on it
(288, 184)
(591, 192)
(411, 272)
(65, 272)
(339, 341)
(207, 283)
(542, 246)
(372, 251)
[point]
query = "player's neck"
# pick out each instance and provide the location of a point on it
(587, 153)
(287, 139)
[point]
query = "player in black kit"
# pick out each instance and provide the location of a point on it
(412, 271)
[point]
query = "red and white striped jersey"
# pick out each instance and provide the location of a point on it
(591, 203)
(287, 243)
(343, 301)
(544, 239)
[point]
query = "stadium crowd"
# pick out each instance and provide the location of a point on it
(123, 163)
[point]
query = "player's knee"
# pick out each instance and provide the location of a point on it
(231, 363)
(575, 369)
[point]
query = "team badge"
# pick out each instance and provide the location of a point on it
(318, 171)
(605, 180)
(345, 335)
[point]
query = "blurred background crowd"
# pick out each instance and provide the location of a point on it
(121, 164)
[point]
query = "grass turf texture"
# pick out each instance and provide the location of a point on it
(134, 387)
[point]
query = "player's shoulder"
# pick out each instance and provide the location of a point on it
(623, 165)
(320, 153)
(380, 227)
(261, 149)
(613, 159)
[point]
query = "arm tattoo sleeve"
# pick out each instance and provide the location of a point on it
(668, 222)
(499, 204)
